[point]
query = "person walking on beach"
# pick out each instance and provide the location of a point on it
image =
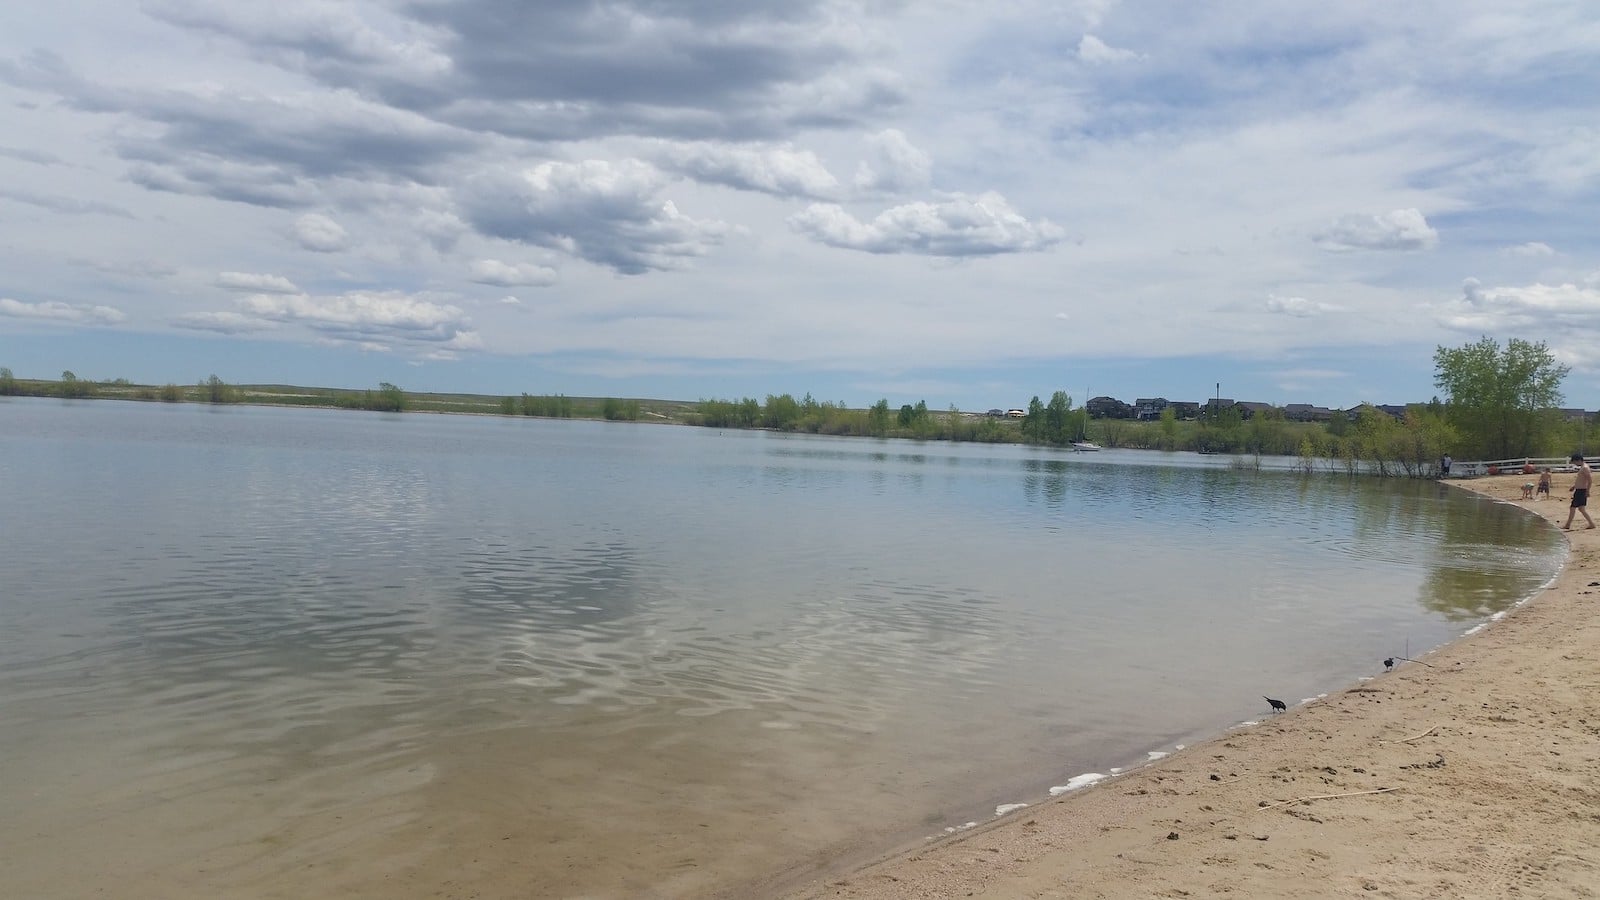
(1544, 484)
(1580, 492)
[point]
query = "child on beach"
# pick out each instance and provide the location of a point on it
(1527, 490)
(1544, 484)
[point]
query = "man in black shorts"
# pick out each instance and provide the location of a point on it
(1580, 492)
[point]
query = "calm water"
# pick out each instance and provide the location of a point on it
(263, 652)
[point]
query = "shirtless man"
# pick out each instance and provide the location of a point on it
(1580, 492)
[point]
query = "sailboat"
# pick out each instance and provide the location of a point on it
(1083, 444)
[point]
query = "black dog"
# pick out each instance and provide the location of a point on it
(1277, 705)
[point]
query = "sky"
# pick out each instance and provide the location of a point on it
(965, 203)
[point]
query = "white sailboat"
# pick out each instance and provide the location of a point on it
(1083, 444)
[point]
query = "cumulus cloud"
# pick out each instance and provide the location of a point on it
(377, 316)
(1096, 52)
(495, 272)
(256, 284)
(320, 234)
(1401, 229)
(1537, 307)
(1299, 307)
(370, 320)
(611, 214)
(959, 225)
(56, 311)
(1525, 305)
(780, 170)
(1532, 248)
(893, 165)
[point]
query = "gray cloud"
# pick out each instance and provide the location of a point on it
(571, 69)
(959, 225)
(32, 156)
(611, 215)
(1402, 229)
(66, 205)
(251, 148)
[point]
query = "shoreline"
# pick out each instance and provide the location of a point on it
(1472, 771)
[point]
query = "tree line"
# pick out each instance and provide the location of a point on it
(1498, 403)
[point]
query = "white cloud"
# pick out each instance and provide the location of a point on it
(362, 313)
(500, 274)
(1299, 307)
(320, 234)
(256, 284)
(1401, 229)
(1533, 248)
(55, 311)
(893, 165)
(780, 170)
(1547, 308)
(1094, 51)
(959, 225)
(222, 322)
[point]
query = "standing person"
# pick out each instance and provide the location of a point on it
(1444, 466)
(1544, 484)
(1580, 492)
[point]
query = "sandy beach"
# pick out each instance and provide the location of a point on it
(1472, 771)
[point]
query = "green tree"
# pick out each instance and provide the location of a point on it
(8, 382)
(1033, 424)
(781, 412)
(1502, 402)
(218, 391)
(390, 398)
(1057, 421)
(1169, 428)
(616, 410)
(171, 393)
(878, 419)
(73, 387)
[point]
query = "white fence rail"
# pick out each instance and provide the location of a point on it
(1527, 464)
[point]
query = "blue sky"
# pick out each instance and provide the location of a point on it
(963, 203)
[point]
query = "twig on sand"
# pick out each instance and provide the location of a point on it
(1417, 661)
(1414, 737)
(1325, 797)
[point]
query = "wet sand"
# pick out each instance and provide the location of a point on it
(1473, 771)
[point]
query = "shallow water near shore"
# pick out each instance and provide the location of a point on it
(275, 652)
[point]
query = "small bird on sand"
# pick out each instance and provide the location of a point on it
(1388, 664)
(1277, 705)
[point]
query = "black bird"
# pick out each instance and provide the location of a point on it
(1277, 705)
(1388, 664)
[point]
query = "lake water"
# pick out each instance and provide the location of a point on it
(256, 652)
